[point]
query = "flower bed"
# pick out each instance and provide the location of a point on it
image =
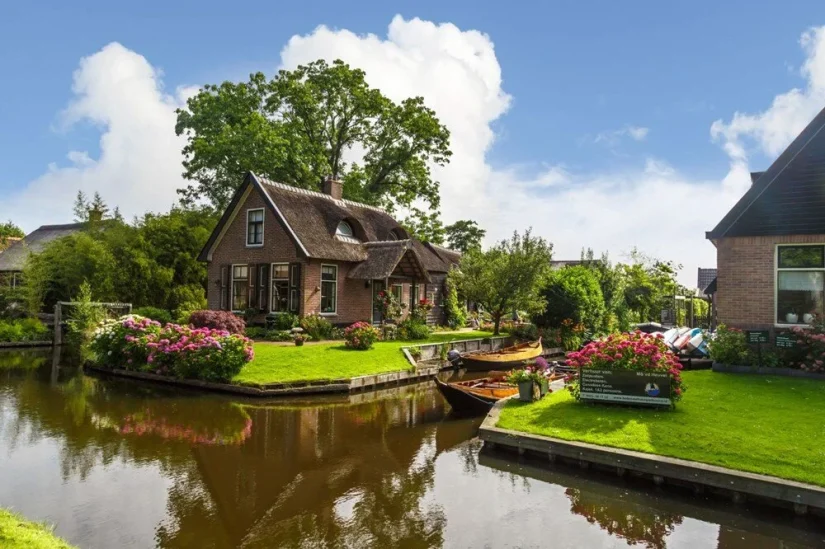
(140, 344)
(634, 351)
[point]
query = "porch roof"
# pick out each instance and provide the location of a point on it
(390, 258)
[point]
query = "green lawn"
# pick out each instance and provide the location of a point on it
(284, 364)
(762, 424)
(19, 533)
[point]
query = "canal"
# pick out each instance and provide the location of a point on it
(119, 464)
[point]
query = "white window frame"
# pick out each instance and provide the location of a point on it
(232, 287)
(272, 280)
(16, 279)
(776, 322)
(321, 278)
(401, 297)
(263, 221)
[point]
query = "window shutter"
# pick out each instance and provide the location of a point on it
(295, 288)
(263, 287)
(224, 300)
(252, 280)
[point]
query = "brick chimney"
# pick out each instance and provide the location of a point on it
(95, 215)
(332, 187)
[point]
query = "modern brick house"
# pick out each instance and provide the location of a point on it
(771, 245)
(281, 248)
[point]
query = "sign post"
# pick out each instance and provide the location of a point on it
(758, 337)
(785, 341)
(625, 387)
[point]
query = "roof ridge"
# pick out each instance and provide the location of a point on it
(446, 249)
(405, 242)
(61, 226)
(299, 190)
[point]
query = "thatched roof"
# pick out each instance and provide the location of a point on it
(311, 218)
(14, 258)
(384, 259)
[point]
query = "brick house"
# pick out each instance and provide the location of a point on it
(771, 244)
(282, 248)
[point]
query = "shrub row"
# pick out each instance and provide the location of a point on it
(26, 329)
(141, 344)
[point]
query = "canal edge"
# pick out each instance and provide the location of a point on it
(738, 485)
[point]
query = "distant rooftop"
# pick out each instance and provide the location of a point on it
(14, 258)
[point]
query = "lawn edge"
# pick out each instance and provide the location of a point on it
(773, 490)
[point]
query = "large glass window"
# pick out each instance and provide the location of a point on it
(800, 284)
(280, 287)
(240, 287)
(255, 227)
(329, 288)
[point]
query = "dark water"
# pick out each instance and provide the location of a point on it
(118, 464)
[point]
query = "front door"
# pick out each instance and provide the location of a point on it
(377, 313)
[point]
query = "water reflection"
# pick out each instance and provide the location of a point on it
(141, 465)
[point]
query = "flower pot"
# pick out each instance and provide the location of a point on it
(299, 342)
(527, 391)
(807, 318)
(792, 318)
(544, 387)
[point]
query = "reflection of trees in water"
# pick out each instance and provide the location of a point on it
(636, 524)
(280, 485)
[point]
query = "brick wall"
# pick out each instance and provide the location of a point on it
(278, 247)
(354, 298)
(745, 278)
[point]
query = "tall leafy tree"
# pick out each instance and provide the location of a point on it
(425, 226)
(464, 235)
(507, 277)
(81, 207)
(305, 124)
(9, 230)
(99, 205)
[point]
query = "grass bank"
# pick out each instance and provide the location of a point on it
(280, 364)
(19, 533)
(761, 424)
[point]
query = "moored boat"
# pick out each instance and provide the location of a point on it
(507, 357)
(475, 397)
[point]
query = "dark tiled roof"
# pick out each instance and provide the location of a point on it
(561, 263)
(706, 276)
(755, 176)
(14, 258)
(789, 197)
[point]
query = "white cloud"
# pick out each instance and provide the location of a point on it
(139, 166)
(653, 207)
(613, 137)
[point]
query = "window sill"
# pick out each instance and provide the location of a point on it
(328, 314)
(777, 325)
(261, 245)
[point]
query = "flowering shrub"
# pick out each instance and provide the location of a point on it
(729, 346)
(421, 310)
(218, 320)
(809, 353)
(318, 327)
(634, 351)
(572, 334)
(137, 343)
(361, 335)
(391, 309)
(411, 330)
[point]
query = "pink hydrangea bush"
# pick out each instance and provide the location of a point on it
(361, 335)
(634, 351)
(809, 354)
(218, 320)
(135, 343)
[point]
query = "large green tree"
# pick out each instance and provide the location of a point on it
(573, 293)
(464, 235)
(507, 277)
(9, 230)
(648, 283)
(305, 124)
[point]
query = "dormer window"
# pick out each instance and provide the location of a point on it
(344, 229)
(392, 236)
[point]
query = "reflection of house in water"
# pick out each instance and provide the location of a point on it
(284, 481)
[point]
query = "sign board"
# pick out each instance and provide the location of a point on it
(757, 336)
(785, 341)
(625, 387)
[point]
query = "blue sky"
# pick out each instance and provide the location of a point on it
(579, 76)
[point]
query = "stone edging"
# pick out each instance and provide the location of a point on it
(24, 344)
(352, 385)
(764, 370)
(773, 490)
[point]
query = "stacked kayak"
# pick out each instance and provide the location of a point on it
(686, 341)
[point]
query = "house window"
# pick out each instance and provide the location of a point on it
(344, 229)
(255, 227)
(16, 280)
(240, 287)
(329, 289)
(414, 292)
(280, 287)
(800, 284)
(262, 287)
(397, 291)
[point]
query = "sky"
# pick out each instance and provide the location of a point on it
(599, 124)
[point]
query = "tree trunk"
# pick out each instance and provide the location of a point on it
(496, 323)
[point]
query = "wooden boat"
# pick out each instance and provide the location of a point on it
(506, 357)
(475, 397)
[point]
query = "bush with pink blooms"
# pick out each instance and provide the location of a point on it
(809, 353)
(136, 343)
(218, 320)
(635, 351)
(361, 335)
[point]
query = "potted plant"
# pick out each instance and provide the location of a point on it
(792, 317)
(299, 339)
(528, 388)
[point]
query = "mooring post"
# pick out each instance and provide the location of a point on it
(58, 333)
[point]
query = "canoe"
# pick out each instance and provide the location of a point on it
(475, 397)
(507, 357)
